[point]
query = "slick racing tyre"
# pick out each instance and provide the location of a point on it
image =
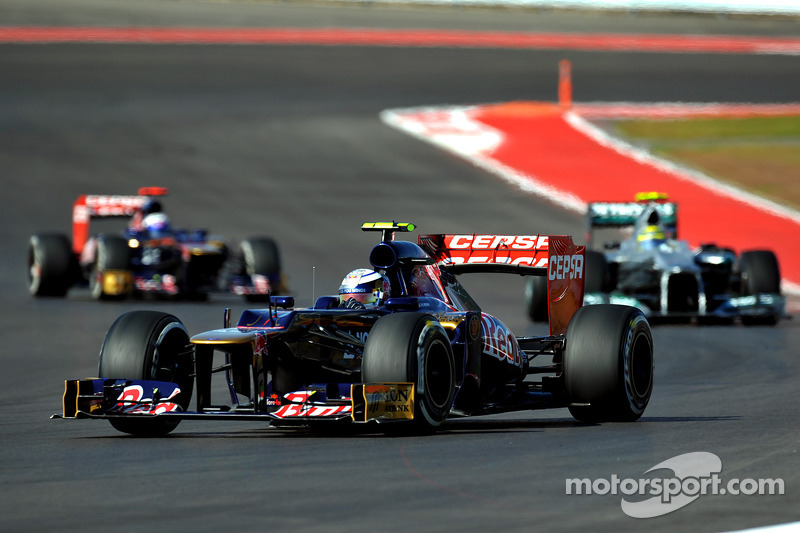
(148, 345)
(536, 298)
(413, 347)
(608, 363)
(760, 274)
(113, 253)
(50, 265)
(598, 275)
(261, 256)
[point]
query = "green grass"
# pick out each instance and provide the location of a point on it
(760, 155)
(714, 129)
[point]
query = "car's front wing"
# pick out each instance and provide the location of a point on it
(753, 306)
(117, 398)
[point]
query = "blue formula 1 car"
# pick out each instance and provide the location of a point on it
(651, 269)
(148, 257)
(419, 351)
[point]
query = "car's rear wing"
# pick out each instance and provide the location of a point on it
(554, 256)
(623, 214)
(89, 206)
(527, 253)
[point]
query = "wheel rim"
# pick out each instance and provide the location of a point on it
(168, 362)
(34, 272)
(96, 283)
(641, 371)
(170, 341)
(438, 374)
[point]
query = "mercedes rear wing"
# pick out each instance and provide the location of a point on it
(554, 256)
(89, 206)
(625, 214)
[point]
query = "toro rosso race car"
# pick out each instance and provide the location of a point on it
(418, 354)
(149, 257)
(654, 271)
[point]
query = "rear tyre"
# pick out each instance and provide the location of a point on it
(148, 345)
(413, 347)
(536, 298)
(113, 253)
(261, 257)
(760, 274)
(608, 363)
(50, 265)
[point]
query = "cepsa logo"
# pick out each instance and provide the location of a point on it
(497, 242)
(118, 200)
(114, 205)
(565, 267)
(502, 249)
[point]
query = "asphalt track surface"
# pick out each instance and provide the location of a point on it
(286, 141)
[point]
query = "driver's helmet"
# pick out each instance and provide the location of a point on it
(157, 225)
(151, 206)
(364, 286)
(650, 236)
(650, 233)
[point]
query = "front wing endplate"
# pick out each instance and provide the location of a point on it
(88, 397)
(382, 401)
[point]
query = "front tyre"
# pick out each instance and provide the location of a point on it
(760, 274)
(413, 347)
(148, 345)
(608, 363)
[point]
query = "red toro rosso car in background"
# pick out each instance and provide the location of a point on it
(149, 257)
(416, 351)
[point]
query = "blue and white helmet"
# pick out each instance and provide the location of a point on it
(365, 286)
(157, 225)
